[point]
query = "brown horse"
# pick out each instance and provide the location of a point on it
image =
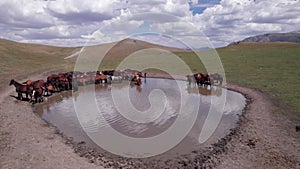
(35, 84)
(100, 78)
(37, 94)
(199, 79)
(53, 80)
(49, 89)
(21, 88)
(137, 79)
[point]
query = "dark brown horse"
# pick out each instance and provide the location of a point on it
(199, 79)
(21, 88)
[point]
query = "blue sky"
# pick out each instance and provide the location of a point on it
(202, 22)
(201, 5)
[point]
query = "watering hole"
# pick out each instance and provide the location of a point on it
(160, 100)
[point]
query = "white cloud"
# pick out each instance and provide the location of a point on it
(238, 19)
(73, 21)
(24, 14)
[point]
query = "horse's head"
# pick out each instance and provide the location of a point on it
(12, 81)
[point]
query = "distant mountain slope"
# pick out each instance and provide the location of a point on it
(128, 46)
(15, 49)
(17, 60)
(293, 37)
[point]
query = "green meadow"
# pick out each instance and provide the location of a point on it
(270, 67)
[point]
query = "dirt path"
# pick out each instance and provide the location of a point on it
(261, 142)
(28, 142)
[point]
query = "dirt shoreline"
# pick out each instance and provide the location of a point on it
(29, 142)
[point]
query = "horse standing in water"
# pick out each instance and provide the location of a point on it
(137, 79)
(20, 89)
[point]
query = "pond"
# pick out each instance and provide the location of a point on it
(158, 100)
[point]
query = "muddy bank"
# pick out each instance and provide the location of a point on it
(262, 139)
(258, 142)
(26, 141)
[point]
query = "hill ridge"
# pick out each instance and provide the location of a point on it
(293, 37)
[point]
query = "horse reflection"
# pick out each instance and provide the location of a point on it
(205, 90)
(138, 87)
(102, 87)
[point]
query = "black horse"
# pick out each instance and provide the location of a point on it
(20, 89)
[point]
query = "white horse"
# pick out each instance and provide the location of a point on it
(116, 79)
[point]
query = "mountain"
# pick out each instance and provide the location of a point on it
(293, 37)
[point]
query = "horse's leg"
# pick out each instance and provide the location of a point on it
(30, 100)
(21, 96)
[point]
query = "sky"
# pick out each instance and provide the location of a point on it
(181, 23)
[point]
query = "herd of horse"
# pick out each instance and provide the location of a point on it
(205, 79)
(35, 90)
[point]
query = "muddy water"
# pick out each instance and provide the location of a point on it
(59, 110)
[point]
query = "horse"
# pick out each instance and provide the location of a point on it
(21, 88)
(27, 82)
(116, 79)
(63, 83)
(206, 79)
(107, 72)
(199, 79)
(35, 84)
(137, 79)
(191, 79)
(100, 78)
(37, 94)
(53, 80)
(49, 89)
(216, 78)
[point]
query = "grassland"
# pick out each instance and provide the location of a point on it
(17, 60)
(270, 67)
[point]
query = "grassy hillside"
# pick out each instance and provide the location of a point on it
(19, 59)
(271, 67)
